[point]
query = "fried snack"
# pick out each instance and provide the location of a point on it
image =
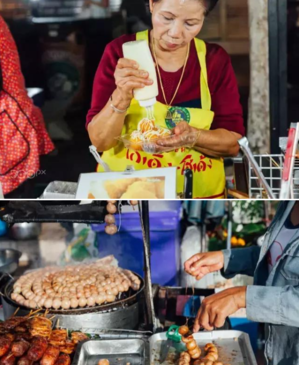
(164, 133)
(151, 135)
(78, 337)
(136, 140)
(185, 359)
(116, 188)
(160, 189)
(191, 345)
(146, 125)
(211, 352)
(58, 337)
(41, 326)
(140, 190)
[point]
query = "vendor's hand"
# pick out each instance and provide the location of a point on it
(216, 308)
(111, 207)
(183, 136)
(202, 264)
(128, 77)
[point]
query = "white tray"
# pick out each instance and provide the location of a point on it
(234, 347)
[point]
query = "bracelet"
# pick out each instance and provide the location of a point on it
(118, 111)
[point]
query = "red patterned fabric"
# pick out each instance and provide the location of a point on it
(23, 136)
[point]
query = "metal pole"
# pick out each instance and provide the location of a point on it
(144, 220)
(229, 225)
(277, 19)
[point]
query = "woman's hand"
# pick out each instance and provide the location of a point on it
(128, 77)
(216, 308)
(183, 136)
(202, 264)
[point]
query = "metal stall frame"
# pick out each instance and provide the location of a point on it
(277, 19)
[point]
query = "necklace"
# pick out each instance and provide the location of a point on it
(160, 78)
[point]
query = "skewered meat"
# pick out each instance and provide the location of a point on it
(25, 361)
(68, 347)
(8, 359)
(78, 337)
(191, 345)
(41, 326)
(23, 336)
(63, 359)
(50, 356)
(19, 348)
(185, 359)
(37, 349)
(13, 322)
(58, 337)
(5, 344)
(211, 352)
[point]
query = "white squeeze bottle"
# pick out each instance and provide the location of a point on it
(139, 52)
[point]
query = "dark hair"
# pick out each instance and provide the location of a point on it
(209, 4)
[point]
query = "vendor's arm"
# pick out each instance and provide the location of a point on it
(264, 304)
(116, 77)
(230, 262)
(276, 305)
(240, 261)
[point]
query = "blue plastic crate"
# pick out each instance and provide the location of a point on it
(127, 245)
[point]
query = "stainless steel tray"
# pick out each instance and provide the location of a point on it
(117, 351)
(234, 347)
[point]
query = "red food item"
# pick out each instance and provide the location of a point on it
(63, 359)
(8, 359)
(19, 348)
(50, 356)
(37, 349)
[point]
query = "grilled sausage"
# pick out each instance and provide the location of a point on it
(5, 344)
(19, 348)
(37, 349)
(50, 356)
(8, 359)
(24, 361)
(63, 359)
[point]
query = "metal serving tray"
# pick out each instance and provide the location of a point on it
(117, 351)
(234, 347)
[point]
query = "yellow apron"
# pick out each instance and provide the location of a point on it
(208, 173)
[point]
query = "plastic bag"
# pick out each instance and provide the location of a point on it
(83, 247)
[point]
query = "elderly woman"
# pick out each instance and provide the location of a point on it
(198, 99)
(23, 136)
(273, 299)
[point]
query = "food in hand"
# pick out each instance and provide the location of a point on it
(136, 140)
(146, 132)
(69, 287)
(146, 125)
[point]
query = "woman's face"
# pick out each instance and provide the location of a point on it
(176, 22)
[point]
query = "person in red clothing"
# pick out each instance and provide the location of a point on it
(197, 77)
(23, 136)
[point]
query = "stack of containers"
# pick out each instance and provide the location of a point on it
(127, 245)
